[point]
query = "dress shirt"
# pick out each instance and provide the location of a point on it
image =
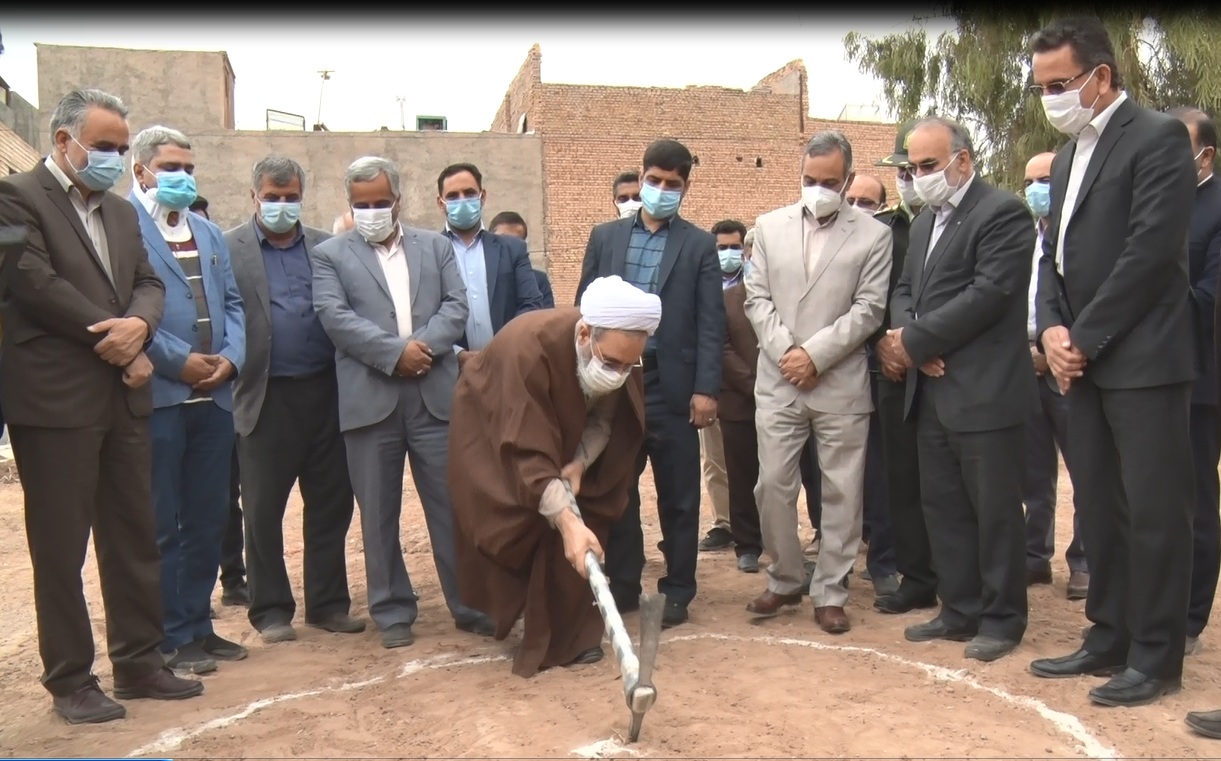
(815, 239)
(393, 260)
(1031, 327)
(472, 265)
(943, 213)
(90, 213)
(1086, 142)
(299, 345)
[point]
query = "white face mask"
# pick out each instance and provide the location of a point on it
(907, 191)
(374, 225)
(628, 208)
(1065, 111)
(822, 202)
(596, 378)
(935, 189)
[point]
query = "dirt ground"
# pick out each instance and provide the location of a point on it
(727, 688)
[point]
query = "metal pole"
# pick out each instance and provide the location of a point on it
(326, 74)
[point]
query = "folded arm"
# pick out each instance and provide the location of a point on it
(445, 328)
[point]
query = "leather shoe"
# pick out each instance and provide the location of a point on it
(903, 602)
(1038, 576)
(88, 705)
(769, 603)
(397, 635)
(1078, 585)
(1207, 723)
(481, 625)
(592, 655)
(937, 629)
(673, 614)
(159, 685)
(1080, 663)
(832, 619)
(986, 649)
(1132, 688)
(339, 623)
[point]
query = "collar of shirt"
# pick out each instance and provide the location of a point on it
(396, 245)
(261, 234)
(809, 217)
(949, 206)
(638, 221)
(453, 235)
(734, 279)
(95, 199)
(175, 233)
(1094, 129)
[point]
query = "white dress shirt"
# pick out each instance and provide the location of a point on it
(393, 260)
(89, 212)
(1031, 327)
(942, 214)
(1086, 142)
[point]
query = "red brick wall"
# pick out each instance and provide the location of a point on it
(15, 154)
(592, 133)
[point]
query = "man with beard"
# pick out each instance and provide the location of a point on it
(555, 397)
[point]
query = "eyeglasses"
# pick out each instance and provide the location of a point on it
(1055, 88)
(905, 173)
(616, 367)
(863, 203)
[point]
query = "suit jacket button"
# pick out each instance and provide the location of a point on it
(392, 314)
(114, 301)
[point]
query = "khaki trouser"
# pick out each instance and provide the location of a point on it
(712, 450)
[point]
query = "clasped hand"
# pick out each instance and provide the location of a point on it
(895, 360)
(1067, 362)
(124, 339)
(415, 360)
(797, 368)
(204, 372)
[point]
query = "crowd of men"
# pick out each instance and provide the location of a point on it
(916, 367)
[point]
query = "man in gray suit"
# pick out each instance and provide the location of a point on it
(959, 317)
(393, 302)
(286, 411)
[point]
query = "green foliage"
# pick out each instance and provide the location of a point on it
(979, 74)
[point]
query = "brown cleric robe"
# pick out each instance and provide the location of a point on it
(518, 417)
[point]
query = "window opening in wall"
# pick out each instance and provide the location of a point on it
(739, 158)
(758, 162)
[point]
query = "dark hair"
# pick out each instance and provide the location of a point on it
(1206, 128)
(670, 155)
(726, 226)
(509, 218)
(453, 169)
(1087, 37)
(625, 177)
(199, 204)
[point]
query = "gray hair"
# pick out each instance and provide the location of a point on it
(145, 145)
(749, 240)
(72, 109)
(367, 169)
(830, 141)
(279, 169)
(960, 139)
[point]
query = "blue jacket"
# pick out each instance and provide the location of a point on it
(176, 337)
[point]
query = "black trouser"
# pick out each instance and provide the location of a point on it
(296, 439)
(741, 446)
(1134, 470)
(1206, 525)
(232, 563)
(673, 446)
(900, 455)
(1047, 432)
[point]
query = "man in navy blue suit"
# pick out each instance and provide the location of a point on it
(496, 269)
(512, 224)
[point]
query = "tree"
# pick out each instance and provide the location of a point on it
(979, 74)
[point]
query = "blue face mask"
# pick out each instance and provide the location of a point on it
(175, 190)
(1038, 198)
(731, 260)
(660, 204)
(279, 217)
(463, 213)
(102, 171)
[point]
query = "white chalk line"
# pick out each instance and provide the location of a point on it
(1065, 723)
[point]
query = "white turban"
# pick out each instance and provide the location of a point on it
(615, 304)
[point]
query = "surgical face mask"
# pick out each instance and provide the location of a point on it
(628, 208)
(822, 202)
(1203, 172)
(279, 217)
(102, 169)
(1065, 111)
(1038, 198)
(907, 191)
(175, 190)
(731, 259)
(463, 213)
(659, 203)
(596, 377)
(934, 189)
(374, 225)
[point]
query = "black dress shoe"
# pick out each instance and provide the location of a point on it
(592, 655)
(938, 629)
(673, 614)
(237, 595)
(903, 602)
(89, 705)
(1132, 688)
(1080, 663)
(481, 625)
(1207, 723)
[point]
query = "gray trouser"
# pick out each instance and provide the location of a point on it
(376, 456)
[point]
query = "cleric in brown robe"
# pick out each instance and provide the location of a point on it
(555, 396)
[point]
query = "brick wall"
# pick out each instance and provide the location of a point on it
(748, 145)
(16, 155)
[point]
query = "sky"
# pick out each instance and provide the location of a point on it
(460, 67)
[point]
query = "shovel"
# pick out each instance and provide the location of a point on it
(636, 669)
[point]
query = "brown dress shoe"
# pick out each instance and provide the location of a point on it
(769, 603)
(88, 705)
(832, 619)
(159, 685)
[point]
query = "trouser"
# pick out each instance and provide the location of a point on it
(232, 559)
(716, 479)
(1206, 523)
(1047, 432)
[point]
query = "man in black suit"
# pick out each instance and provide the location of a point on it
(660, 252)
(959, 317)
(1204, 266)
(500, 282)
(512, 224)
(1116, 321)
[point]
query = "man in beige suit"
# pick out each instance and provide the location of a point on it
(816, 291)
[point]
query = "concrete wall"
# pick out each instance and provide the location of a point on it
(510, 165)
(19, 115)
(16, 155)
